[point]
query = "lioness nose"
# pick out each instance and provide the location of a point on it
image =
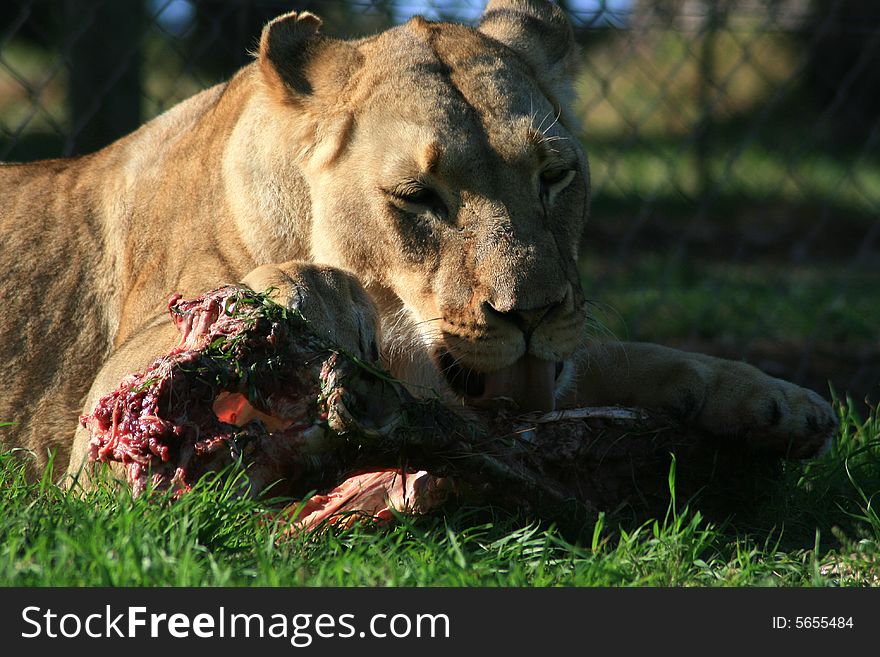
(528, 320)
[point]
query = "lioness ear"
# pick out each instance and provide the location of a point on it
(540, 33)
(298, 62)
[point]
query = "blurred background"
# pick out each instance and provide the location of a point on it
(733, 144)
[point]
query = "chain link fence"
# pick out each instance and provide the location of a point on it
(733, 144)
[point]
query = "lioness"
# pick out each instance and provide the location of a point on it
(419, 195)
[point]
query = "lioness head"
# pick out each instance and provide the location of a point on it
(444, 173)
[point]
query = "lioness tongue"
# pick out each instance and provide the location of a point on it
(530, 382)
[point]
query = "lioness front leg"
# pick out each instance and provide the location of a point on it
(331, 300)
(722, 397)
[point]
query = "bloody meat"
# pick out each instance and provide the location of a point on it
(252, 385)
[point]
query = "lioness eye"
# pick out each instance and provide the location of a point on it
(554, 176)
(421, 196)
(554, 180)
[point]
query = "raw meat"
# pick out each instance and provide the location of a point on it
(252, 385)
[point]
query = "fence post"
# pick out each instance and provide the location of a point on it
(703, 135)
(104, 90)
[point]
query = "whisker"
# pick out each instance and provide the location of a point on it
(555, 121)
(427, 321)
(546, 116)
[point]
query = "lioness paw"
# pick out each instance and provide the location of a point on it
(793, 421)
(333, 301)
(771, 414)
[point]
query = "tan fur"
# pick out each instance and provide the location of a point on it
(306, 158)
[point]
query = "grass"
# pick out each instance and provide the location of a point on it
(651, 168)
(659, 298)
(820, 527)
(810, 322)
